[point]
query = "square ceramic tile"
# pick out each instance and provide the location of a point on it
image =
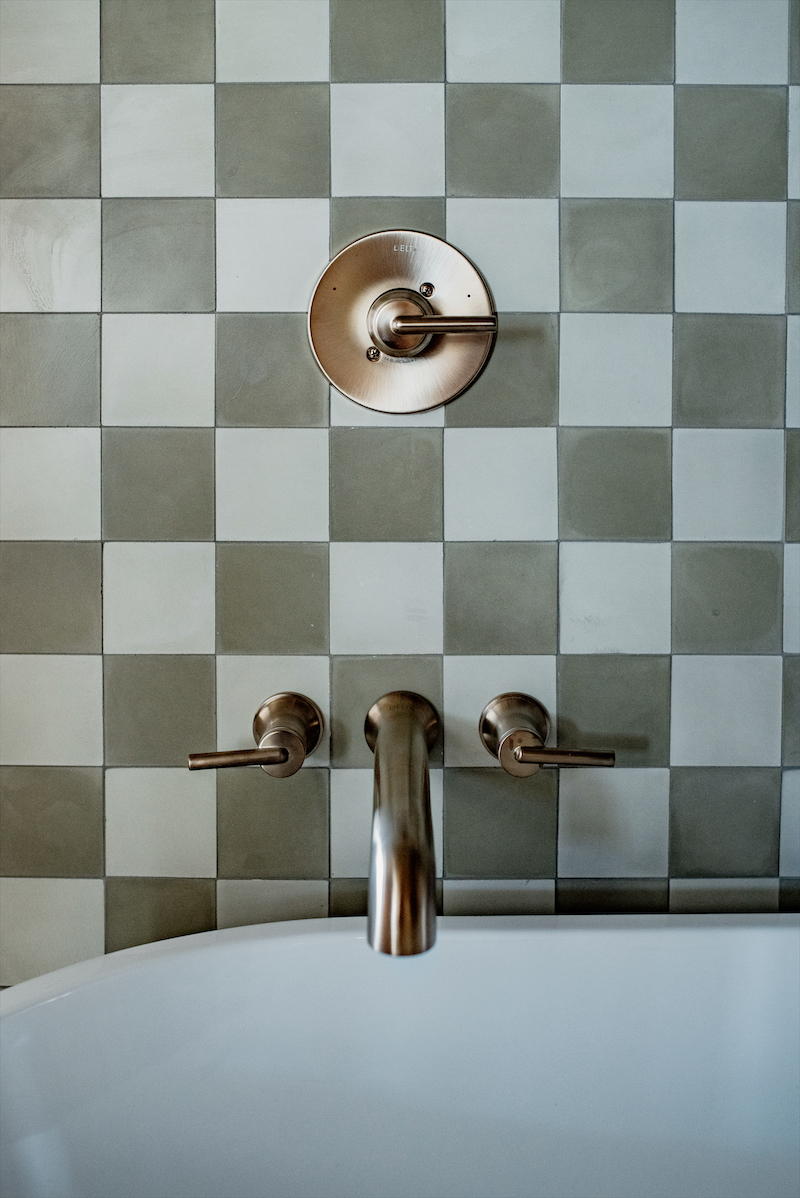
(792, 531)
(272, 598)
(161, 823)
(50, 484)
(724, 823)
(158, 369)
(48, 923)
(700, 896)
(503, 41)
(272, 484)
(730, 257)
(270, 253)
(521, 388)
(491, 604)
(50, 41)
(615, 369)
(793, 256)
(164, 41)
(158, 598)
(515, 245)
(726, 598)
(243, 683)
(793, 371)
(50, 255)
(145, 498)
(157, 708)
(358, 216)
(616, 141)
(142, 910)
(255, 900)
(158, 140)
(50, 597)
(614, 484)
(386, 485)
(472, 682)
(612, 896)
(791, 599)
(158, 255)
(51, 369)
(349, 897)
(261, 41)
(509, 896)
(405, 157)
(500, 484)
(273, 139)
(729, 371)
(386, 597)
(742, 41)
(616, 255)
(70, 685)
(272, 827)
(346, 413)
(358, 682)
(730, 143)
(727, 484)
(51, 141)
(726, 710)
(502, 139)
(793, 168)
(52, 820)
(351, 821)
(617, 702)
(496, 826)
(621, 41)
(791, 710)
(362, 52)
(615, 598)
(266, 374)
(613, 823)
(790, 825)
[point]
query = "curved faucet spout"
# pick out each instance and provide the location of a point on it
(400, 729)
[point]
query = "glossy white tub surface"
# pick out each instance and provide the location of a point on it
(590, 1057)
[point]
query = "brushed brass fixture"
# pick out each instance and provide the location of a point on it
(514, 728)
(401, 299)
(287, 728)
(401, 729)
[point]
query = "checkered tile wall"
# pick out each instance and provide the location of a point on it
(609, 519)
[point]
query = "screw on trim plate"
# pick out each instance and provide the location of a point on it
(373, 354)
(427, 289)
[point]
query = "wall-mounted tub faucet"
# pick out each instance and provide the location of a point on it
(514, 728)
(287, 728)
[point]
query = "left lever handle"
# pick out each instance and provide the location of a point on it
(287, 728)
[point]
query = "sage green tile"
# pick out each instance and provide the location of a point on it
(158, 484)
(272, 598)
(142, 910)
(616, 702)
(789, 894)
(51, 369)
(793, 256)
(615, 484)
(519, 387)
(158, 255)
(273, 139)
(157, 41)
(729, 371)
(52, 822)
(348, 896)
(272, 827)
(358, 216)
(266, 373)
(357, 682)
(502, 139)
(387, 41)
(730, 143)
(496, 826)
(616, 255)
(791, 711)
(727, 598)
(618, 41)
(611, 896)
(792, 484)
(794, 41)
(50, 597)
(158, 708)
(500, 597)
(724, 822)
(51, 140)
(386, 484)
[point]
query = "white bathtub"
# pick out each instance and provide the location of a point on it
(610, 1056)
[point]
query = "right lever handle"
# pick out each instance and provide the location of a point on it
(514, 728)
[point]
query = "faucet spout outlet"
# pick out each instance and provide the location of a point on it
(400, 729)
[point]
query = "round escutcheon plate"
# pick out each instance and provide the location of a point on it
(344, 329)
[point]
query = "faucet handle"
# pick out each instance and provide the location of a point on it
(514, 728)
(287, 728)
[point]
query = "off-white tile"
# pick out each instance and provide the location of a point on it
(243, 683)
(503, 41)
(730, 257)
(471, 682)
(616, 140)
(49, 255)
(240, 903)
(69, 688)
(387, 139)
(791, 598)
(615, 598)
(506, 896)
(790, 825)
(615, 369)
(726, 710)
(272, 484)
(271, 41)
(50, 484)
(514, 243)
(158, 597)
(158, 369)
(500, 484)
(734, 41)
(696, 896)
(351, 821)
(386, 597)
(50, 41)
(157, 140)
(727, 484)
(613, 823)
(161, 823)
(48, 923)
(270, 253)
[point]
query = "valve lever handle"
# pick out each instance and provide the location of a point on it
(287, 728)
(514, 728)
